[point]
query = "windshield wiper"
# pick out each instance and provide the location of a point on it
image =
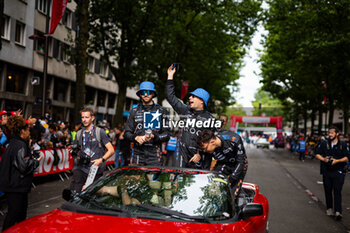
(173, 213)
(93, 201)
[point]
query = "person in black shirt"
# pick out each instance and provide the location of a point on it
(16, 171)
(333, 155)
(230, 155)
(147, 134)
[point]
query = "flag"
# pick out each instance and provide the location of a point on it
(184, 88)
(57, 11)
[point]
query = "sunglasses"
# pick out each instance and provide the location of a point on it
(145, 91)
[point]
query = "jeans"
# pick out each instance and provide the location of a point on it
(118, 154)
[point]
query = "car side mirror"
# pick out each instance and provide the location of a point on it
(67, 194)
(252, 210)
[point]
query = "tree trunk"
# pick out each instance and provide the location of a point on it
(161, 85)
(2, 6)
(319, 128)
(346, 117)
(305, 122)
(118, 117)
(81, 44)
(312, 121)
(331, 113)
(296, 121)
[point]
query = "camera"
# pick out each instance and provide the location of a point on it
(36, 154)
(330, 161)
(84, 159)
(75, 150)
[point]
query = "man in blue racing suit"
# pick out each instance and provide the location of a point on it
(145, 128)
(230, 155)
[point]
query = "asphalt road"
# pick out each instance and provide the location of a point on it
(292, 187)
(294, 192)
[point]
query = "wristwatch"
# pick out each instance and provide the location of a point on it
(103, 160)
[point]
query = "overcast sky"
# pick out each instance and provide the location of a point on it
(249, 81)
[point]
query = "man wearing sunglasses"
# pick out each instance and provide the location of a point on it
(229, 154)
(147, 136)
(188, 149)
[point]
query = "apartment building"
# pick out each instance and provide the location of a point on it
(22, 61)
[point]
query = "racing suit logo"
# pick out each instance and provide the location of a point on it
(151, 120)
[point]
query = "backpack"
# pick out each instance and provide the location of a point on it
(98, 135)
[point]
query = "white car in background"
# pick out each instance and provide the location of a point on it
(262, 143)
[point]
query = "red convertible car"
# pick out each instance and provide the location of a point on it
(143, 199)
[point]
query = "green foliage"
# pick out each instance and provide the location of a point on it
(270, 106)
(143, 38)
(308, 43)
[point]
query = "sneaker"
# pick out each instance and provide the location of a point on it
(329, 212)
(338, 216)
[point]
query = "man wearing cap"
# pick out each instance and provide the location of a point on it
(145, 128)
(190, 155)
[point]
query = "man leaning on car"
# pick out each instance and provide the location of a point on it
(230, 155)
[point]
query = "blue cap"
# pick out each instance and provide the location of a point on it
(147, 86)
(201, 93)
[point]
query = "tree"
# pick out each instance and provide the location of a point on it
(2, 6)
(269, 106)
(81, 45)
(306, 47)
(208, 38)
(140, 39)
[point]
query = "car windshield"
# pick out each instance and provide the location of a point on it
(169, 193)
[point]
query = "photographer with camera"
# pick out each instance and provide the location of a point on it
(89, 148)
(333, 155)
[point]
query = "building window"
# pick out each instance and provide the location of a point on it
(16, 79)
(39, 41)
(65, 52)
(60, 89)
(101, 98)
(67, 18)
(5, 28)
(19, 34)
(91, 64)
(42, 6)
(103, 69)
(89, 95)
(111, 100)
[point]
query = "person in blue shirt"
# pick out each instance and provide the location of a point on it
(171, 149)
(301, 148)
(3, 138)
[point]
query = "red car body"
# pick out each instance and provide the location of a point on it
(66, 221)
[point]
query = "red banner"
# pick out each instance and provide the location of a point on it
(184, 88)
(57, 11)
(46, 166)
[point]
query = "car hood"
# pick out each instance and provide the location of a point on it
(65, 221)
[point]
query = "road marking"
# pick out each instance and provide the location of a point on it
(44, 201)
(298, 184)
